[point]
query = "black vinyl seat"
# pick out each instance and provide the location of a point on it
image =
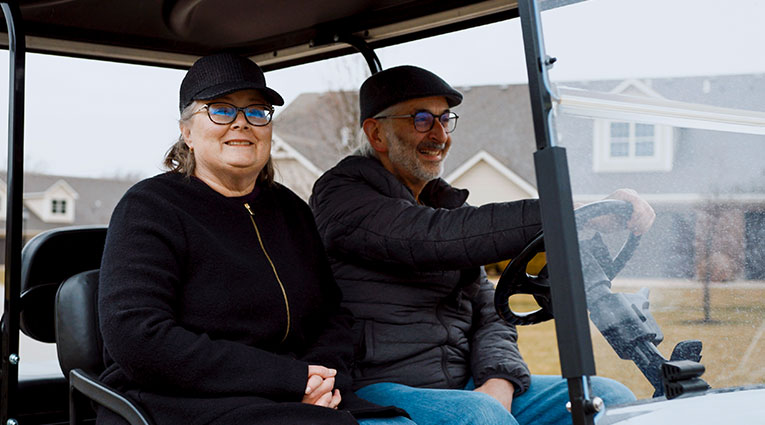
(59, 294)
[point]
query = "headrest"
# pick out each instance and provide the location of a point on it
(48, 259)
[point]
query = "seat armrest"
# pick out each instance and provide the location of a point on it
(85, 384)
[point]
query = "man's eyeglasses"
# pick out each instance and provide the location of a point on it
(424, 120)
(225, 113)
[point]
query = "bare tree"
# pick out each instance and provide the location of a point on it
(342, 101)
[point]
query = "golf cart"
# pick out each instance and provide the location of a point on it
(588, 275)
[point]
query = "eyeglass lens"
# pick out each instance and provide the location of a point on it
(424, 121)
(224, 113)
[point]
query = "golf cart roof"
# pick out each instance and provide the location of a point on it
(173, 33)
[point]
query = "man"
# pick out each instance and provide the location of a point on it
(407, 252)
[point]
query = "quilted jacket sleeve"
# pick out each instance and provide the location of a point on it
(358, 220)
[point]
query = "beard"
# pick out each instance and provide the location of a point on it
(402, 155)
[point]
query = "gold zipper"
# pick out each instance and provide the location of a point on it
(281, 285)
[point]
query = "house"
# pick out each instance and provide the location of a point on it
(56, 201)
(492, 171)
(292, 168)
(313, 132)
(707, 186)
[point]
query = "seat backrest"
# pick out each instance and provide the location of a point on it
(46, 261)
(78, 339)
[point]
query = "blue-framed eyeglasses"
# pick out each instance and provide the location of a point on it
(225, 113)
(424, 120)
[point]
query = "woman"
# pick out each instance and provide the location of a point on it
(216, 301)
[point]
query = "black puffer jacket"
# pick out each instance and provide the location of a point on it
(411, 275)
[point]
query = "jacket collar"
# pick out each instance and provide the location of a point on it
(440, 194)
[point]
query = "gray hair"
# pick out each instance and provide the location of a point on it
(363, 147)
(179, 158)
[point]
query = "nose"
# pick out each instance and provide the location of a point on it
(240, 121)
(438, 131)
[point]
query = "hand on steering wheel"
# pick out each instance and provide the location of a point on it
(516, 280)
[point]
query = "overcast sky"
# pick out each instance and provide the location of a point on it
(89, 118)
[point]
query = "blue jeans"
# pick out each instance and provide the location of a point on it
(544, 403)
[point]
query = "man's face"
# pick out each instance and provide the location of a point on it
(417, 158)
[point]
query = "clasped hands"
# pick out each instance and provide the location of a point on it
(320, 389)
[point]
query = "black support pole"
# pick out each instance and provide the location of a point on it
(358, 43)
(561, 244)
(13, 224)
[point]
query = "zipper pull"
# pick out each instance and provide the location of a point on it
(246, 205)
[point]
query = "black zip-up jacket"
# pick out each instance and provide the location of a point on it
(412, 276)
(212, 308)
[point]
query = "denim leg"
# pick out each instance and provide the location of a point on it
(436, 407)
(544, 403)
(398, 420)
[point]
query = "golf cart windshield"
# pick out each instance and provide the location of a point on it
(659, 97)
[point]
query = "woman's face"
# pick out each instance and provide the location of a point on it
(228, 151)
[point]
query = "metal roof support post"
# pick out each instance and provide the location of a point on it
(361, 45)
(13, 224)
(563, 259)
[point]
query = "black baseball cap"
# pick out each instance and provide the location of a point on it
(400, 83)
(223, 73)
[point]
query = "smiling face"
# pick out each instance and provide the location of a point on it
(414, 158)
(231, 155)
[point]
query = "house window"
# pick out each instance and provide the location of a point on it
(621, 146)
(631, 140)
(58, 206)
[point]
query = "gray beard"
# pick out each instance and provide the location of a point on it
(402, 157)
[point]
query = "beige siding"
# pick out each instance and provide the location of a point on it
(295, 176)
(486, 185)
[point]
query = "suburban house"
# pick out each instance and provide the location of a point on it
(687, 174)
(57, 201)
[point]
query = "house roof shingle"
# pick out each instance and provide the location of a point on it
(97, 199)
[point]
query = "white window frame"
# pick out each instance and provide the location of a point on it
(663, 146)
(661, 160)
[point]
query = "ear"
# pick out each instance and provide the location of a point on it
(186, 134)
(375, 135)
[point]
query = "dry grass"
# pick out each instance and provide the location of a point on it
(734, 341)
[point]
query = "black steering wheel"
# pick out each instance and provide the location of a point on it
(516, 280)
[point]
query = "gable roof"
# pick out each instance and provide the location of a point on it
(282, 149)
(486, 157)
(97, 198)
(313, 124)
(61, 183)
(497, 119)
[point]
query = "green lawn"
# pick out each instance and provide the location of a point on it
(734, 341)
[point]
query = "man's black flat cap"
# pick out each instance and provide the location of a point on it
(223, 73)
(394, 85)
